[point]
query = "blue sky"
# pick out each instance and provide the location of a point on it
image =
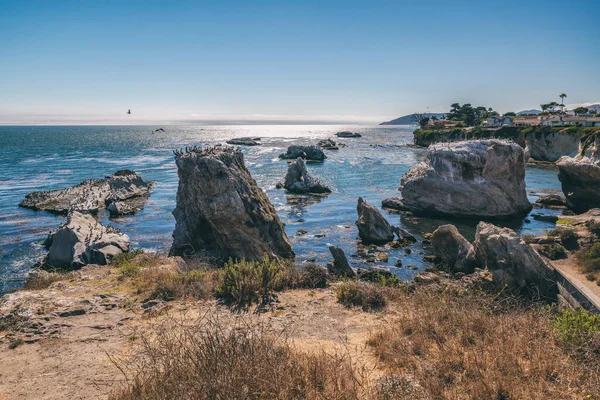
(89, 61)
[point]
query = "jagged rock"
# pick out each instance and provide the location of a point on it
(340, 266)
(452, 249)
(512, 262)
(92, 194)
(81, 241)
(545, 144)
(312, 153)
(372, 226)
(580, 175)
(477, 179)
(327, 144)
(245, 141)
(393, 203)
(298, 180)
(222, 212)
(551, 200)
(347, 134)
(120, 208)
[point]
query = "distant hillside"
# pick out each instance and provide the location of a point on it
(408, 119)
(525, 112)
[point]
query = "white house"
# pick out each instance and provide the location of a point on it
(498, 121)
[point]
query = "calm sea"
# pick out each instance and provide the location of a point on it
(50, 157)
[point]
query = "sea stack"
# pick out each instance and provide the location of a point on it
(580, 176)
(472, 179)
(220, 210)
(298, 180)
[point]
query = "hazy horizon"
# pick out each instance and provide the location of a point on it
(331, 62)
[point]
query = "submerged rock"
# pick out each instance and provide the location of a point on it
(91, 195)
(306, 152)
(221, 211)
(452, 249)
(372, 226)
(476, 179)
(347, 134)
(298, 180)
(340, 266)
(245, 141)
(82, 240)
(512, 262)
(551, 200)
(327, 144)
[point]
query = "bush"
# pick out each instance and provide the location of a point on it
(578, 330)
(593, 227)
(205, 360)
(368, 296)
(568, 237)
(590, 258)
(313, 276)
(126, 264)
(243, 283)
(553, 251)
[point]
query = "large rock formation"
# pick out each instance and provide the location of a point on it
(580, 176)
(298, 180)
(477, 179)
(81, 241)
(393, 203)
(372, 226)
(452, 249)
(513, 263)
(312, 153)
(221, 212)
(93, 194)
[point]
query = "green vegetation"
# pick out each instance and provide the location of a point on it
(42, 279)
(578, 329)
(368, 296)
(553, 251)
(567, 237)
(469, 115)
(590, 258)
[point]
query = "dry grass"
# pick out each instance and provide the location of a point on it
(206, 360)
(40, 279)
(479, 347)
(368, 296)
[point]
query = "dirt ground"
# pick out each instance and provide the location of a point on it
(74, 328)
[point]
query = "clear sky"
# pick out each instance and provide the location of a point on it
(90, 61)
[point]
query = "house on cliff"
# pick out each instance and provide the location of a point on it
(498, 121)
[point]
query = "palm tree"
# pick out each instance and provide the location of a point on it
(562, 99)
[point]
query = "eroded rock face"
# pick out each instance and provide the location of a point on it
(580, 176)
(452, 249)
(513, 262)
(474, 179)
(306, 152)
(221, 212)
(91, 195)
(372, 226)
(552, 145)
(298, 180)
(82, 240)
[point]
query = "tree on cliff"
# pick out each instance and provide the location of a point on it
(581, 110)
(562, 100)
(469, 115)
(421, 119)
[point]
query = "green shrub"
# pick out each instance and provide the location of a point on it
(568, 237)
(368, 296)
(243, 283)
(578, 329)
(313, 276)
(593, 227)
(553, 251)
(125, 257)
(590, 258)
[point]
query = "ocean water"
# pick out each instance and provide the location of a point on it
(49, 157)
